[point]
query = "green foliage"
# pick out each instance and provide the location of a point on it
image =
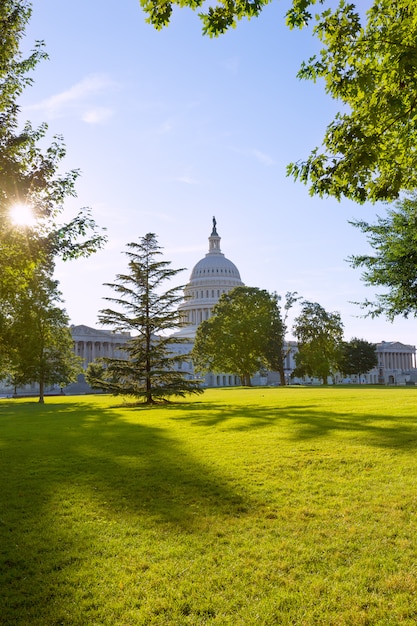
(149, 370)
(276, 507)
(14, 16)
(39, 338)
(244, 334)
(95, 374)
(276, 350)
(29, 174)
(32, 176)
(217, 18)
(394, 262)
(368, 64)
(371, 68)
(358, 357)
(319, 336)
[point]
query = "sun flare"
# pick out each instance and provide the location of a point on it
(22, 215)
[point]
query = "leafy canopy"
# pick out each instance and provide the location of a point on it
(244, 334)
(217, 18)
(319, 334)
(39, 339)
(369, 64)
(357, 356)
(393, 264)
(30, 176)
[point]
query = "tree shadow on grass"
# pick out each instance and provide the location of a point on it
(66, 468)
(307, 421)
(133, 464)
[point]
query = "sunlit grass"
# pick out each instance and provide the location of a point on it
(260, 506)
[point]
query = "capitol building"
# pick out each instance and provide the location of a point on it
(212, 276)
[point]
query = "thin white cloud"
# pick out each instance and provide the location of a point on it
(158, 215)
(186, 180)
(76, 99)
(263, 158)
(98, 115)
(165, 128)
(231, 64)
(260, 156)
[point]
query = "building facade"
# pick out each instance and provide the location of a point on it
(396, 364)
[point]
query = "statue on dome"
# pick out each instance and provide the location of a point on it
(214, 231)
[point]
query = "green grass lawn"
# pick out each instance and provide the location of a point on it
(240, 507)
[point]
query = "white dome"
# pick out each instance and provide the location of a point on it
(215, 266)
(211, 277)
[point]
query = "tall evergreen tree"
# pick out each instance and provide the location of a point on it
(150, 369)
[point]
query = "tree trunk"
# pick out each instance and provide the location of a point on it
(246, 380)
(41, 391)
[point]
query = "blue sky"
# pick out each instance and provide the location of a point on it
(170, 128)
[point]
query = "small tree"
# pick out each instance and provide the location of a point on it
(42, 343)
(276, 348)
(358, 357)
(95, 374)
(319, 336)
(244, 334)
(149, 370)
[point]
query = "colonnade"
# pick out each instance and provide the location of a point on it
(91, 343)
(222, 380)
(196, 316)
(91, 350)
(395, 360)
